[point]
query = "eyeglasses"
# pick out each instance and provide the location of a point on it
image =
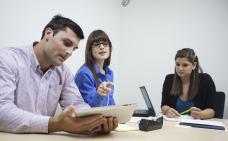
(97, 45)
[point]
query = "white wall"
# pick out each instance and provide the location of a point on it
(146, 35)
(151, 33)
(22, 21)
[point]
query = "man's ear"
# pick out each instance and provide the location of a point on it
(48, 33)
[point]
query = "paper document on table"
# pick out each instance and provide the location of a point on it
(203, 123)
(137, 119)
(177, 118)
(127, 127)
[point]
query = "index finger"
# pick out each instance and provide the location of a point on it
(115, 122)
(89, 117)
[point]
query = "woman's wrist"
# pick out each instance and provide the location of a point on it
(207, 114)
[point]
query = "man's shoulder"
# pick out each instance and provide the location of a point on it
(12, 55)
(9, 50)
(15, 59)
(13, 51)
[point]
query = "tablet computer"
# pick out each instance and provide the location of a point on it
(122, 112)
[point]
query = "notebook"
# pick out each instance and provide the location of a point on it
(145, 112)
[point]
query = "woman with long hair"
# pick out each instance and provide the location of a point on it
(95, 79)
(188, 90)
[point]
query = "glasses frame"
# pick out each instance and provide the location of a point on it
(98, 45)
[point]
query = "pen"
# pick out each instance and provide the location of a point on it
(186, 111)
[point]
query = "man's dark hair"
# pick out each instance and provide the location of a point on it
(59, 23)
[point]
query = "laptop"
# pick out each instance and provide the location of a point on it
(145, 113)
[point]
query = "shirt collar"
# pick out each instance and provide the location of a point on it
(34, 61)
(106, 69)
(32, 56)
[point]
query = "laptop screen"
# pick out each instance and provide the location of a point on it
(147, 99)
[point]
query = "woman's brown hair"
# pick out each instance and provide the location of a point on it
(96, 36)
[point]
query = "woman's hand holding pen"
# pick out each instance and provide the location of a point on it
(196, 112)
(104, 88)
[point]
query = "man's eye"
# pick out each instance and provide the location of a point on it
(67, 43)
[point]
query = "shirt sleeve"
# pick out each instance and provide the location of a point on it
(87, 87)
(70, 94)
(167, 99)
(209, 91)
(12, 118)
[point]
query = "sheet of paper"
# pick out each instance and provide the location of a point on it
(137, 119)
(127, 127)
(178, 118)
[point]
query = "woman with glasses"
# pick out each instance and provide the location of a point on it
(188, 90)
(95, 79)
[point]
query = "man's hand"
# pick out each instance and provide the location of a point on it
(90, 125)
(112, 124)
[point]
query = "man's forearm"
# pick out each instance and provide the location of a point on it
(16, 120)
